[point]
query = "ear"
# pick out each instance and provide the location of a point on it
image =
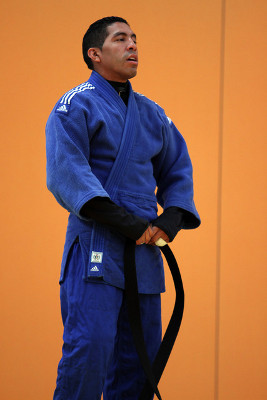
(94, 54)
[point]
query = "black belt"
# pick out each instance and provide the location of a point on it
(153, 372)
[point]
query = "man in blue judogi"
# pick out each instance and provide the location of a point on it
(112, 155)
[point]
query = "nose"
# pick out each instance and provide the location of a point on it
(131, 45)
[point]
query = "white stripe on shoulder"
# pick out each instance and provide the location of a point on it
(142, 95)
(71, 91)
(66, 99)
(89, 87)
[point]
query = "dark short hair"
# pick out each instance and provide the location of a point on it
(96, 35)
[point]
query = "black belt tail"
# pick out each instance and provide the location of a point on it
(154, 372)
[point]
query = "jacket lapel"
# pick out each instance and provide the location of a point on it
(131, 122)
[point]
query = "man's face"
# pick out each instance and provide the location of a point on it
(118, 58)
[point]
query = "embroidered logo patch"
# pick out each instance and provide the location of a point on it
(96, 257)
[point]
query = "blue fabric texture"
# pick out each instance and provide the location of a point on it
(98, 354)
(96, 146)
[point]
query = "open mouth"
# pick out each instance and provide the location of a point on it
(133, 59)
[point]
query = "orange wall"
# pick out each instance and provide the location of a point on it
(220, 353)
(242, 342)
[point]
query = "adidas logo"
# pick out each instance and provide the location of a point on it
(62, 108)
(94, 269)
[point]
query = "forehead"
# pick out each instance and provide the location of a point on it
(119, 27)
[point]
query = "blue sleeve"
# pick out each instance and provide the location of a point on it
(69, 175)
(175, 175)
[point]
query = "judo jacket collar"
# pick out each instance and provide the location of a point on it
(108, 90)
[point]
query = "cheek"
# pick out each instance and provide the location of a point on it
(113, 59)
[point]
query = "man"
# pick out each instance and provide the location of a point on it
(108, 149)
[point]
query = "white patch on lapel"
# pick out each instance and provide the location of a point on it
(96, 257)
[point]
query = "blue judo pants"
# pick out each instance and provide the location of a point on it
(98, 354)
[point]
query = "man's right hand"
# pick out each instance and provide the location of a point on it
(146, 237)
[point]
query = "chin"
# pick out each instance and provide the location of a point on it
(132, 75)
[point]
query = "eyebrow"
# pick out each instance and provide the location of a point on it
(124, 34)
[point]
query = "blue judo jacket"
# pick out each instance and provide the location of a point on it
(96, 146)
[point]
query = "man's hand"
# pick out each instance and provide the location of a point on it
(146, 237)
(151, 235)
(157, 234)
